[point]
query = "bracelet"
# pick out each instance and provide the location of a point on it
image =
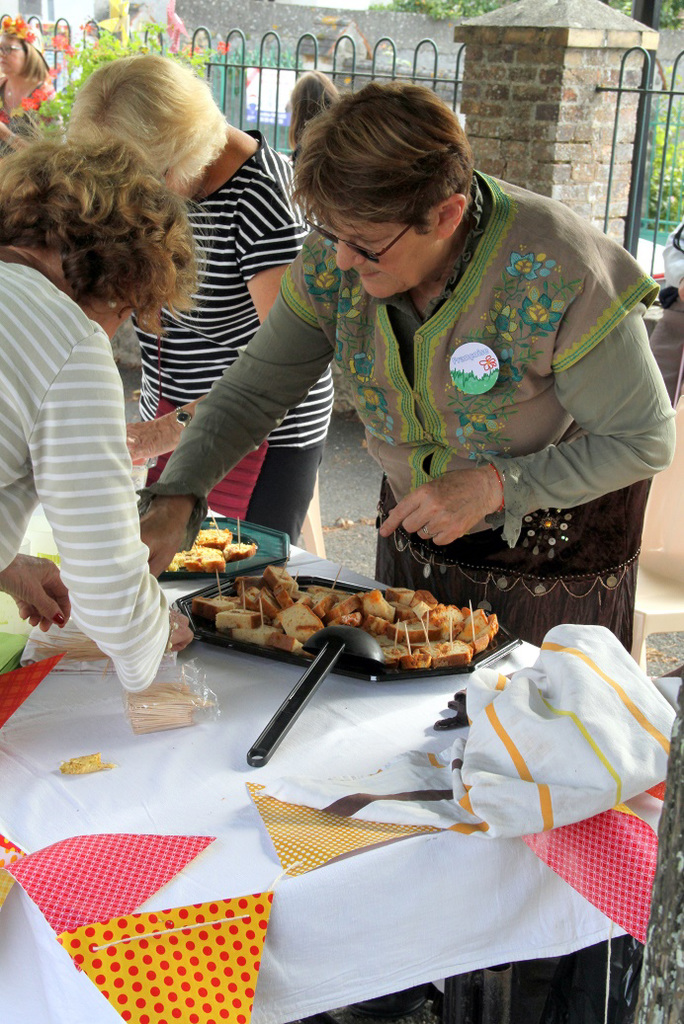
(501, 485)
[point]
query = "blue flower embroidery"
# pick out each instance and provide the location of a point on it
(529, 266)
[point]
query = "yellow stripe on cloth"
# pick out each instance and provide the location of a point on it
(523, 771)
(592, 743)
(627, 701)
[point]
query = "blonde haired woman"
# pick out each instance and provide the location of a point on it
(25, 81)
(248, 232)
(85, 235)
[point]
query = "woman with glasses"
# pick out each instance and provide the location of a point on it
(495, 345)
(248, 232)
(25, 82)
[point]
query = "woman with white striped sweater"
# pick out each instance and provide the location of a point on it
(86, 234)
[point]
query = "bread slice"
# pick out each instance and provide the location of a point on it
(418, 659)
(237, 552)
(399, 595)
(299, 621)
(204, 560)
(448, 655)
(414, 633)
(277, 576)
(374, 603)
(237, 618)
(450, 618)
(213, 539)
(351, 603)
(209, 607)
(255, 635)
(323, 604)
(392, 655)
(283, 642)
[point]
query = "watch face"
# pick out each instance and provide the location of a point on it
(183, 418)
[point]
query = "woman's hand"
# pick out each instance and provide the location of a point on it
(180, 634)
(163, 528)
(445, 509)
(37, 588)
(154, 437)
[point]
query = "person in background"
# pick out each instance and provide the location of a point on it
(87, 232)
(247, 232)
(312, 93)
(25, 82)
(667, 339)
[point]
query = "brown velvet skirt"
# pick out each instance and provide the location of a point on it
(573, 565)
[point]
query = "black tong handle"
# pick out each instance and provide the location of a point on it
(294, 703)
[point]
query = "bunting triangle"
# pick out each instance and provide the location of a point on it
(306, 838)
(9, 854)
(20, 683)
(194, 965)
(91, 878)
(610, 859)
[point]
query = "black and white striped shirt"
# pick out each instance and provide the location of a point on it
(246, 226)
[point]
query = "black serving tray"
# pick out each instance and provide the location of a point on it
(502, 644)
(273, 548)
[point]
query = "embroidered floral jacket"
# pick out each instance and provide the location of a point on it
(543, 288)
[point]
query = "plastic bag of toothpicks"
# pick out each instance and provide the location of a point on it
(178, 697)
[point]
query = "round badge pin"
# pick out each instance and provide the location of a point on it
(474, 368)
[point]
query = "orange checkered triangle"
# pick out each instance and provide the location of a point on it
(610, 859)
(19, 684)
(195, 964)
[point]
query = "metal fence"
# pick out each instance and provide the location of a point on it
(252, 84)
(656, 199)
(252, 81)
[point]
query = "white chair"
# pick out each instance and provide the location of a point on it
(312, 530)
(659, 606)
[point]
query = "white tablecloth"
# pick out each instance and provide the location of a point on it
(412, 911)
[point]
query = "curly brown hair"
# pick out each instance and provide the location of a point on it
(388, 153)
(124, 238)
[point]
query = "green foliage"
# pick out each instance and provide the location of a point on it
(439, 10)
(78, 63)
(668, 205)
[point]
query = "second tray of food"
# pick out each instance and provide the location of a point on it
(228, 547)
(273, 614)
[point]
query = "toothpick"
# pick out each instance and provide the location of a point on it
(218, 582)
(238, 530)
(426, 628)
(408, 642)
(336, 578)
(472, 620)
(216, 526)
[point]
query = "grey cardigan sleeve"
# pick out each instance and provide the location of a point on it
(274, 373)
(616, 394)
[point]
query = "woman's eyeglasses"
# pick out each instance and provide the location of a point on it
(5, 51)
(367, 254)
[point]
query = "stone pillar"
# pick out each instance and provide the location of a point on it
(532, 110)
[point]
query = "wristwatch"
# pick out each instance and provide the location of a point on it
(183, 418)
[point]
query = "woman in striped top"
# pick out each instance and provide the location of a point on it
(247, 233)
(82, 224)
